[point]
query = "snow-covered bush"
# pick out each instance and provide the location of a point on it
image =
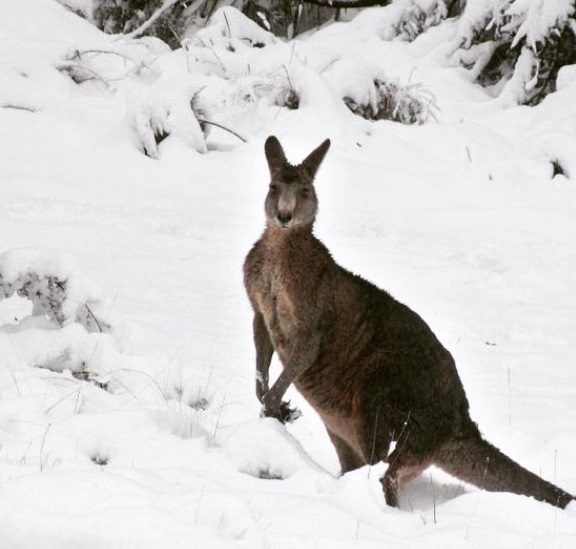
(517, 46)
(157, 111)
(72, 325)
(221, 49)
(287, 97)
(407, 19)
(411, 104)
(514, 47)
(51, 282)
(125, 16)
(402, 20)
(174, 20)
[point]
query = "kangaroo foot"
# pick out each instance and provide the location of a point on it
(402, 469)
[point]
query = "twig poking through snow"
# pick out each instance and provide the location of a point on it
(217, 426)
(433, 498)
(94, 317)
(61, 400)
(210, 123)
(555, 463)
(509, 396)
(288, 77)
(200, 498)
(77, 403)
(153, 382)
(42, 446)
(227, 24)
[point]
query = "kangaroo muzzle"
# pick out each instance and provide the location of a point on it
(284, 219)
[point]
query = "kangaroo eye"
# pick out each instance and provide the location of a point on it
(273, 188)
(305, 193)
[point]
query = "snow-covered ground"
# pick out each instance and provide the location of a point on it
(144, 432)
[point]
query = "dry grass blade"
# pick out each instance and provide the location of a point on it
(148, 376)
(94, 317)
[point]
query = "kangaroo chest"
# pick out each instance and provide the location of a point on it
(285, 276)
(280, 306)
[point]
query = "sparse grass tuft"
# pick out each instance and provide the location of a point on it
(99, 459)
(411, 104)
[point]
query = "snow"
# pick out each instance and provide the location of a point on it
(148, 434)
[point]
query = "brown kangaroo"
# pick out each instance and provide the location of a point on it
(371, 367)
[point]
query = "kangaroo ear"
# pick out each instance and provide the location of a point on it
(274, 154)
(312, 162)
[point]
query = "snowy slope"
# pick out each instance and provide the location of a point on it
(148, 435)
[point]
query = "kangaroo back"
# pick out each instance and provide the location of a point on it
(478, 462)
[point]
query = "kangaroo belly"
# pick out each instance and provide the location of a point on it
(336, 410)
(345, 427)
(340, 422)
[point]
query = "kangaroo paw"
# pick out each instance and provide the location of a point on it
(283, 413)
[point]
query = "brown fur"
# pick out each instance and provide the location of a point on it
(370, 367)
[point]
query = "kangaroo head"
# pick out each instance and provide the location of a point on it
(291, 200)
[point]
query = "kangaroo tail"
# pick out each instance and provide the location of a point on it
(474, 460)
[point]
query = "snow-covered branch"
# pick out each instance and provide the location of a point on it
(347, 4)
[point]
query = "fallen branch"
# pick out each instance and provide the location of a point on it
(210, 123)
(351, 4)
(159, 13)
(17, 107)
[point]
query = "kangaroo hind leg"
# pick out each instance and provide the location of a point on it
(403, 467)
(348, 457)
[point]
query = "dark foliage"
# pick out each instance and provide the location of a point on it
(501, 30)
(124, 16)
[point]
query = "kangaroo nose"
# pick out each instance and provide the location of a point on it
(284, 217)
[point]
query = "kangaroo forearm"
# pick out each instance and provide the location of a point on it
(261, 383)
(301, 359)
(273, 397)
(264, 352)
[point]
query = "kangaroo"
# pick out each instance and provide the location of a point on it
(368, 365)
